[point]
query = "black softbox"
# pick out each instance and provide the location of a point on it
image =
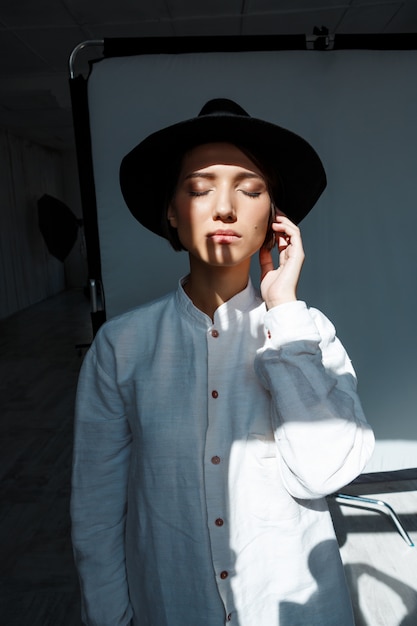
(58, 225)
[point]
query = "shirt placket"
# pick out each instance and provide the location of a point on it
(216, 470)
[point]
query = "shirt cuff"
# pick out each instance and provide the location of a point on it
(290, 322)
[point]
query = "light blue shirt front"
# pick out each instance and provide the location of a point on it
(203, 452)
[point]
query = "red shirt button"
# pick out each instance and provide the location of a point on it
(215, 394)
(224, 575)
(215, 460)
(214, 333)
(219, 522)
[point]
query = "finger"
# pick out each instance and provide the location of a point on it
(284, 235)
(285, 231)
(283, 224)
(266, 262)
(283, 241)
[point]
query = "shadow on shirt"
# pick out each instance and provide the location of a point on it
(298, 614)
(301, 614)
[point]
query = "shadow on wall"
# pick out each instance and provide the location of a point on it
(374, 523)
(407, 594)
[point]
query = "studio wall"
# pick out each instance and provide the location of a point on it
(357, 108)
(28, 273)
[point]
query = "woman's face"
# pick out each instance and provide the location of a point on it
(221, 206)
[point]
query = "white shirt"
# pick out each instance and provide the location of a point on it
(203, 452)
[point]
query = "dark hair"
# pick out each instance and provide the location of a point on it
(170, 233)
(274, 187)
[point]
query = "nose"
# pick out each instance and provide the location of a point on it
(224, 209)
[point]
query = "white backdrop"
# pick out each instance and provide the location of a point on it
(358, 109)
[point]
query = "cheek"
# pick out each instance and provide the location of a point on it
(263, 222)
(186, 223)
(187, 226)
(178, 214)
(264, 230)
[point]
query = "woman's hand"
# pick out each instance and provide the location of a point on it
(280, 285)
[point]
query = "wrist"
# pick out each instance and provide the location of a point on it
(273, 302)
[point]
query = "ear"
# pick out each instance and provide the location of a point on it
(171, 216)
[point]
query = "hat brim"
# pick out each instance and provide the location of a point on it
(146, 172)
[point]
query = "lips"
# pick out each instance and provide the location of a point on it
(224, 236)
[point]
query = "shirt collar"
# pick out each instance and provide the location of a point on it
(228, 311)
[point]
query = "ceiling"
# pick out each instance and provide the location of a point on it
(38, 36)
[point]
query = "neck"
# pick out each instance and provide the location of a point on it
(210, 287)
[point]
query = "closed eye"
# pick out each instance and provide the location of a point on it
(196, 194)
(251, 194)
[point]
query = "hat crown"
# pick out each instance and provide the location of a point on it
(222, 106)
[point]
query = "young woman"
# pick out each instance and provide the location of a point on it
(212, 423)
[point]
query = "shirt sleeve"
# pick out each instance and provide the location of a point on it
(323, 438)
(99, 493)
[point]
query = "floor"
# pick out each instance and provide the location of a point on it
(39, 363)
(39, 366)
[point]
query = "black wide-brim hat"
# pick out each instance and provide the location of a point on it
(148, 173)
